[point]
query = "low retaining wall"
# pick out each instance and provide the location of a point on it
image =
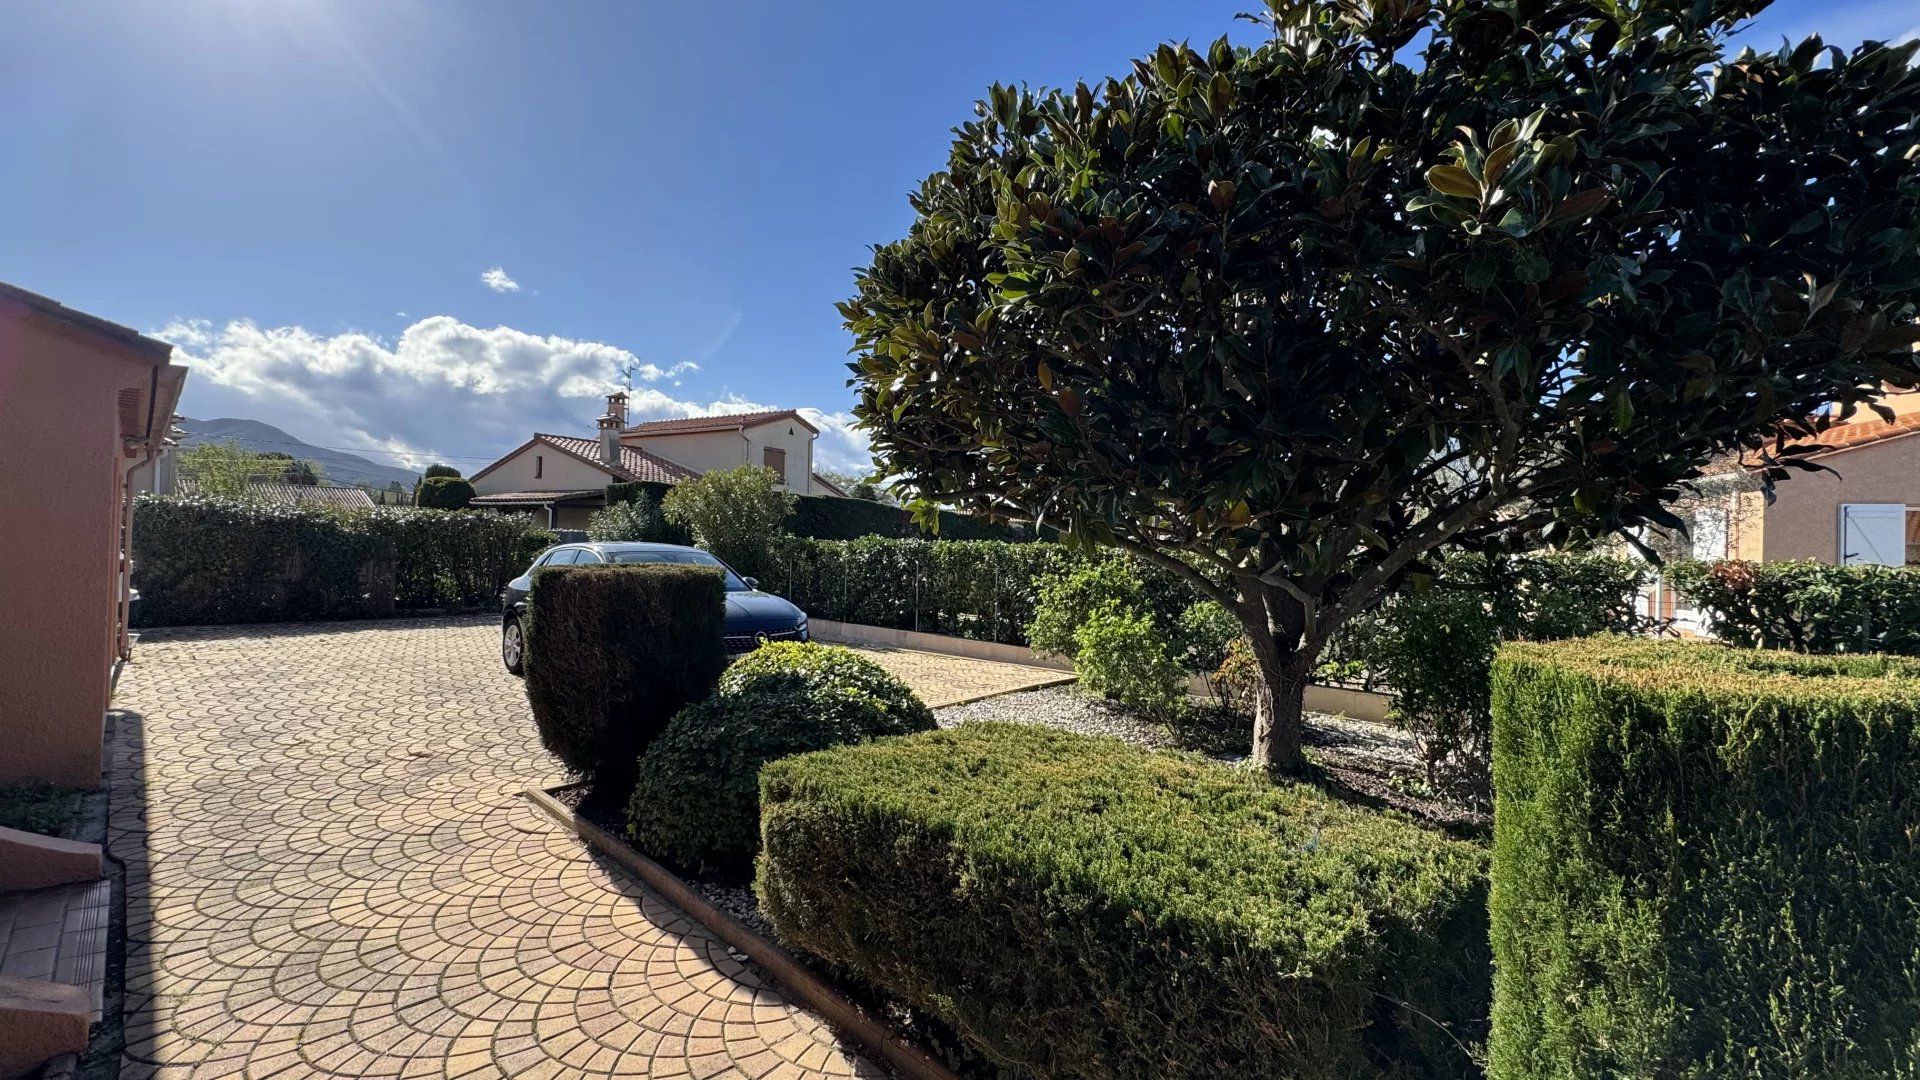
(1340, 701)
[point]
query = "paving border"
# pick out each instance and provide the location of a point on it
(908, 1060)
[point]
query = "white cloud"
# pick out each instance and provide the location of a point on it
(497, 280)
(442, 389)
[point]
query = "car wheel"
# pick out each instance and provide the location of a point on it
(513, 645)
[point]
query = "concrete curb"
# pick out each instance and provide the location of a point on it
(813, 992)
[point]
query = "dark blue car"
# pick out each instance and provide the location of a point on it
(753, 617)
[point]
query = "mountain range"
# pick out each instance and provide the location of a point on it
(339, 466)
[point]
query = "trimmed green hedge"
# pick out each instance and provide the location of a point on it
(1076, 907)
(981, 589)
(1807, 606)
(216, 560)
(696, 802)
(612, 653)
(832, 517)
(1704, 863)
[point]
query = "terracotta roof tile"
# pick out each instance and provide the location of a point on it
(635, 463)
(1861, 432)
(687, 425)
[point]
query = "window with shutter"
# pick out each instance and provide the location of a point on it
(776, 460)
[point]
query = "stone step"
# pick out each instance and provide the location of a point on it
(39, 1021)
(58, 935)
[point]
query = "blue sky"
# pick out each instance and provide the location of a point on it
(307, 196)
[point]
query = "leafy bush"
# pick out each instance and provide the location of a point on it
(1435, 645)
(696, 802)
(1704, 862)
(1121, 655)
(1807, 606)
(1079, 908)
(733, 513)
(215, 560)
(1206, 632)
(613, 652)
(1068, 599)
(639, 519)
(444, 493)
(440, 470)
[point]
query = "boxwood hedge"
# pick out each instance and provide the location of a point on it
(612, 653)
(1076, 907)
(1705, 862)
(696, 801)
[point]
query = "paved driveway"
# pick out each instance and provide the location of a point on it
(330, 871)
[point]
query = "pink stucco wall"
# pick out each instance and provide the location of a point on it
(61, 456)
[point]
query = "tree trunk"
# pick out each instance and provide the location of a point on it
(1277, 707)
(1276, 628)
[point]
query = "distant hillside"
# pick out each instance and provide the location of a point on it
(340, 467)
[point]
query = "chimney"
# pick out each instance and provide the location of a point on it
(610, 441)
(617, 406)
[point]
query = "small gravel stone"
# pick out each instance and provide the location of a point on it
(737, 901)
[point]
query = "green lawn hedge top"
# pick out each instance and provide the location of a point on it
(1705, 862)
(1085, 908)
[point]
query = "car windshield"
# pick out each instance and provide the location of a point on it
(693, 558)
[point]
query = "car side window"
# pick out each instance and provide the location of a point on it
(563, 557)
(587, 558)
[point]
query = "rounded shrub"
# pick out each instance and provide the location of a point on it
(696, 800)
(444, 493)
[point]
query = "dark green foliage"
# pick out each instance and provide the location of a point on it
(633, 512)
(38, 808)
(214, 560)
(1807, 606)
(1434, 643)
(443, 493)
(829, 517)
(696, 802)
(612, 653)
(440, 470)
(1404, 278)
(1079, 908)
(629, 492)
(1704, 863)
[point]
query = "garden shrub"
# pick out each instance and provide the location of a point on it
(1120, 655)
(207, 559)
(1076, 907)
(696, 801)
(444, 493)
(1704, 862)
(639, 519)
(1066, 600)
(1806, 606)
(613, 652)
(1206, 631)
(1435, 645)
(733, 513)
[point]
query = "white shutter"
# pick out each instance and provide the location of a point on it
(1873, 533)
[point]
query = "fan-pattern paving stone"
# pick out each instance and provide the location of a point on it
(331, 872)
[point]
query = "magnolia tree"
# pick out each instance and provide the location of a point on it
(1409, 276)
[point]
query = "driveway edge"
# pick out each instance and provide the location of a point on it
(910, 1061)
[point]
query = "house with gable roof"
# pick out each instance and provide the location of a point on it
(563, 478)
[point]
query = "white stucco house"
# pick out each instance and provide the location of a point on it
(562, 478)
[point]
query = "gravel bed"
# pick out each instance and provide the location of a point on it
(1060, 707)
(1373, 763)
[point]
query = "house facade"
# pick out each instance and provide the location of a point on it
(1864, 508)
(562, 478)
(105, 396)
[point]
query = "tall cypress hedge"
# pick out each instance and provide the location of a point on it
(612, 653)
(1082, 909)
(1706, 862)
